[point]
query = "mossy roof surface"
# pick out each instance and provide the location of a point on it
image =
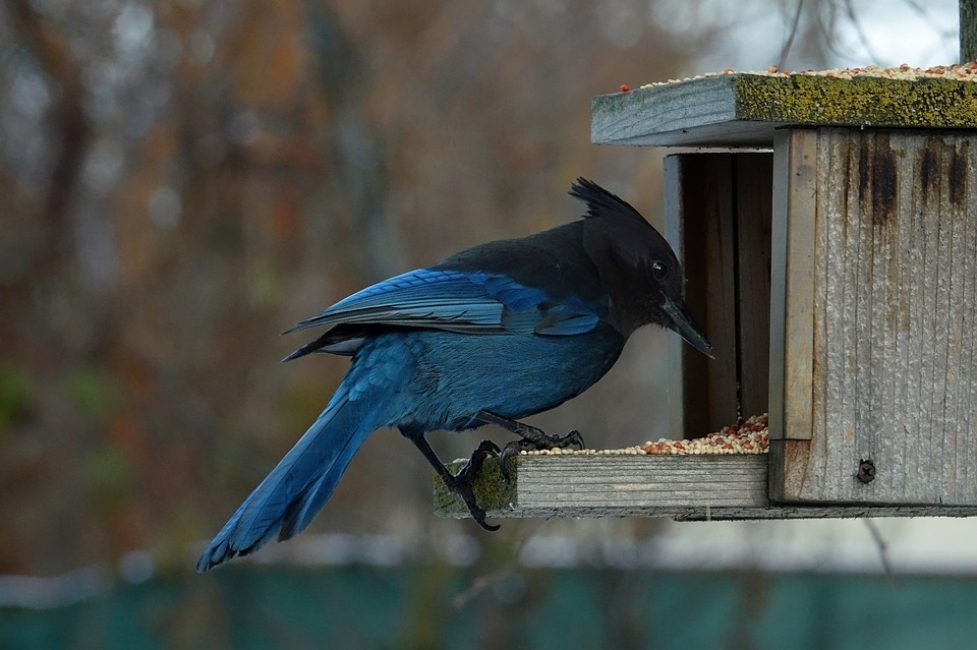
(860, 101)
(745, 107)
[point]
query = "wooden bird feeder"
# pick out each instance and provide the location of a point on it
(828, 229)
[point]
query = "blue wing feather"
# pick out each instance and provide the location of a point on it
(460, 301)
(456, 300)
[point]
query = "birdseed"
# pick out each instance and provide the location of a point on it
(748, 437)
(957, 72)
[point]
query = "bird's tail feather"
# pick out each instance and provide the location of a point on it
(290, 496)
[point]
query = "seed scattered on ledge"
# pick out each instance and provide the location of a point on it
(957, 72)
(748, 437)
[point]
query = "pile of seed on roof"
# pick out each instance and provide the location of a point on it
(957, 71)
(748, 437)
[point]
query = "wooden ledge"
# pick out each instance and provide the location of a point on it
(745, 109)
(681, 487)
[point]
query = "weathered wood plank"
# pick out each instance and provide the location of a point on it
(682, 487)
(674, 232)
(792, 282)
(893, 348)
(701, 218)
(644, 116)
(608, 482)
(753, 178)
(746, 109)
(717, 218)
(792, 323)
(603, 485)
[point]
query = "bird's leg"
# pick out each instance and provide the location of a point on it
(530, 438)
(462, 482)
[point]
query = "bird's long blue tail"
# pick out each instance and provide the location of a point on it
(290, 496)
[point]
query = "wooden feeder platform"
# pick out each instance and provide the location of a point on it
(684, 488)
(828, 230)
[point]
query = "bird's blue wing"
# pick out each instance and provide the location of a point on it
(569, 318)
(459, 301)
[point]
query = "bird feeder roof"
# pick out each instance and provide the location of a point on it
(745, 108)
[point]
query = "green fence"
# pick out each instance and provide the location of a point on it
(441, 607)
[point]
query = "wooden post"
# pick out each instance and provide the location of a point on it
(968, 30)
(791, 306)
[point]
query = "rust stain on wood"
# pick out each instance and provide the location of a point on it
(929, 172)
(885, 186)
(957, 176)
(878, 179)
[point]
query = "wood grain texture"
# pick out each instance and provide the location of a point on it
(792, 280)
(895, 309)
(705, 208)
(603, 485)
(746, 109)
(674, 233)
(681, 487)
(717, 217)
(753, 176)
(645, 116)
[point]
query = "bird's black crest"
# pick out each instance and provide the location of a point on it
(600, 202)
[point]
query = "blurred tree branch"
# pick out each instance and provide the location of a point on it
(782, 63)
(70, 123)
(862, 36)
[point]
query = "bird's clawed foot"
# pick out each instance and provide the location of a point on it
(531, 438)
(463, 482)
(572, 439)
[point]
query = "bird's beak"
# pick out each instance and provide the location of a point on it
(683, 323)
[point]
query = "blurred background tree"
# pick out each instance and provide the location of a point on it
(183, 179)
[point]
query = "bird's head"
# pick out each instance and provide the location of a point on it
(636, 265)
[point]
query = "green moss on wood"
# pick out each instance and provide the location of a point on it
(868, 101)
(491, 491)
(745, 108)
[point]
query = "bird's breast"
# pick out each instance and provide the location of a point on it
(456, 375)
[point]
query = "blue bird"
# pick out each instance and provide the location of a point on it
(493, 334)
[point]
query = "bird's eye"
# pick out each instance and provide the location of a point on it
(659, 270)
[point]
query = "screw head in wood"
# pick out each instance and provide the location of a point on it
(866, 471)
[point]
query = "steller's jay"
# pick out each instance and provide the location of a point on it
(493, 334)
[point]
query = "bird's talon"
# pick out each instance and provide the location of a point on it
(488, 448)
(462, 483)
(574, 438)
(510, 450)
(571, 439)
(486, 526)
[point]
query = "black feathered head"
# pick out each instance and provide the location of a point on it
(636, 265)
